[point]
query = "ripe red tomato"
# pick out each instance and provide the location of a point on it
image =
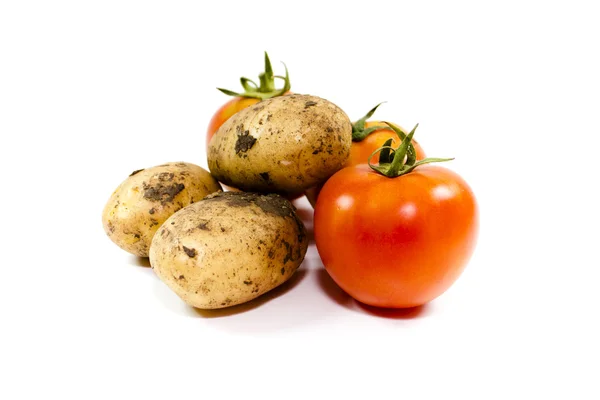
(395, 242)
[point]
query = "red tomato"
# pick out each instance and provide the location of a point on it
(361, 151)
(395, 242)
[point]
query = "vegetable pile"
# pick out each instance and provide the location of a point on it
(392, 230)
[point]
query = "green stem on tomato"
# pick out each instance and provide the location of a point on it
(402, 162)
(266, 88)
(398, 160)
(385, 156)
(359, 132)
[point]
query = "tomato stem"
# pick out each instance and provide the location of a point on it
(400, 153)
(359, 132)
(403, 159)
(267, 87)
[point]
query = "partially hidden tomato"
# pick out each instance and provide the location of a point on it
(362, 151)
(368, 136)
(398, 241)
(252, 94)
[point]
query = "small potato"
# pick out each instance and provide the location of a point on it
(284, 144)
(229, 248)
(148, 197)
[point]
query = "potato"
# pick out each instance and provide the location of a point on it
(229, 248)
(284, 144)
(148, 197)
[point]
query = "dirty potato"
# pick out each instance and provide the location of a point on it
(229, 248)
(284, 145)
(148, 197)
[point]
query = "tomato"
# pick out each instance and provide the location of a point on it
(362, 150)
(363, 146)
(395, 242)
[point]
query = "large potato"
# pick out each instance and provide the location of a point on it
(284, 144)
(229, 248)
(148, 197)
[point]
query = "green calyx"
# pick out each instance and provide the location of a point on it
(267, 88)
(359, 132)
(402, 160)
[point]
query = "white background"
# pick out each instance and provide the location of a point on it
(90, 91)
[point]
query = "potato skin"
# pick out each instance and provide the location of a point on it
(284, 144)
(229, 248)
(148, 197)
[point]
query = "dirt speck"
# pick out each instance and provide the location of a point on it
(190, 252)
(265, 176)
(204, 225)
(245, 141)
(288, 252)
(166, 176)
(161, 192)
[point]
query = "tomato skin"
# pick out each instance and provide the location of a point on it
(360, 151)
(395, 242)
(225, 112)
